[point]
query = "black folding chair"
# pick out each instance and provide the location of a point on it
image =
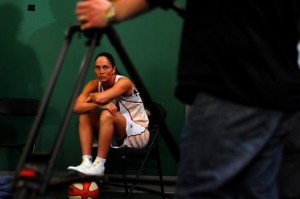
(17, 107)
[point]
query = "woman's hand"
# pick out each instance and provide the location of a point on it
(111, 107)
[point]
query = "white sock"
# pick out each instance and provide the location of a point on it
(87, 157)
(101, 160)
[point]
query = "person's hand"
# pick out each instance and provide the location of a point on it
(91, 98)
(111, 107)
(92, 13)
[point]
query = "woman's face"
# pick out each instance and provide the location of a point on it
(103, 69)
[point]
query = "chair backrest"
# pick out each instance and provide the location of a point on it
(155, 115)
(19, 106)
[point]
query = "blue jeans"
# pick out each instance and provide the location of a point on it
(231, 151)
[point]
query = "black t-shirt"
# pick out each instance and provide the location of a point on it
(243, 51)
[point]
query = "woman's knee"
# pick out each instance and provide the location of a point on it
(106, 116)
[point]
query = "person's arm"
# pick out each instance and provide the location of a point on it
(81, 104)
(97, 13)
(103, 99)
(123, 87)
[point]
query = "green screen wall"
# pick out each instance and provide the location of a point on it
(31, 36)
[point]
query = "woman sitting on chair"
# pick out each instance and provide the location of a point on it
(122, 121)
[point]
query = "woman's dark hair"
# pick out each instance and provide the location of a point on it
(108, 56)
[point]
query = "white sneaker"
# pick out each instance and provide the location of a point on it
(85, 164)
(96, 169)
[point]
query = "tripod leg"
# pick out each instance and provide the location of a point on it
(41, 165)
(61, 134)
(27, 152)
(168, 138)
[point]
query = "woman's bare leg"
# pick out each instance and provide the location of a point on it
(87, 125)
(109, 127)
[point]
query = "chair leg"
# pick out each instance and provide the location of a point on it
(160, 174)
(138, 175)
(124, 175)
